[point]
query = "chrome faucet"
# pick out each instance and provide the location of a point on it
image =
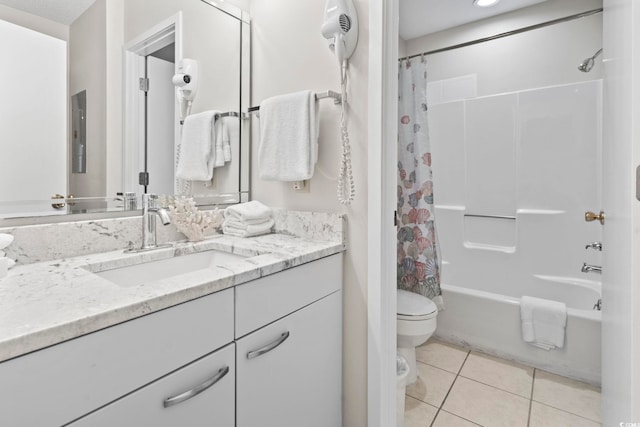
(594, 245)
(587, 268)
(149, 211)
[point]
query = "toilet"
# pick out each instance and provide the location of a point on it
(416, 323)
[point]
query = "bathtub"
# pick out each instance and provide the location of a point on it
(490, 322)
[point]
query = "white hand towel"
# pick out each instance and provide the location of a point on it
(233, 132)
(543, 322)
(197, 154)
(288, 137)
(248, 230)
(222, 140)
(249, 212)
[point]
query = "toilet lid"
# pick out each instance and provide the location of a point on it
(412, 304)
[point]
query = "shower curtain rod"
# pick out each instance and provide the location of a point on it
(506, 34)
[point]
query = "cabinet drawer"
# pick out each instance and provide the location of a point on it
(213, 376)
(73, 378)
(264, 300)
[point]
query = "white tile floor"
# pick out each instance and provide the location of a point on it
(464, 388)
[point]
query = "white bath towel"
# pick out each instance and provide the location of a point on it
(240, 229)
(197, 154)
(543, 322)
(288, 137)
(252, 212)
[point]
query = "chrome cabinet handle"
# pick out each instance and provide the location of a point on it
(171, 401)
(267, 348)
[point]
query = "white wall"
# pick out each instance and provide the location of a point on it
(289, 54)
(621, 295)
(87, 71)
(33, 109)
(543, 57)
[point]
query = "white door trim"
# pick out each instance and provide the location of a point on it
(381, 291)
(160, 35)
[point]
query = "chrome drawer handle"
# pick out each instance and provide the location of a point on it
(267, 348)
(171, 401)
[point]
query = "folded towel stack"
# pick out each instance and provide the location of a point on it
(5, 263)
(247, 219)
(543, 322)
(288, 137)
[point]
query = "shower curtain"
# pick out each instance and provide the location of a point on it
(418, 258)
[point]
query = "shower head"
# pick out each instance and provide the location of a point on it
(588, 63)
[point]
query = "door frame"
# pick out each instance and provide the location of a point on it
(621, 323)
(160, 35)
(382, 202)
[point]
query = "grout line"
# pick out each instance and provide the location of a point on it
(533, 382)
(494, 387)
(464, 361)
(567, 412)
(463, 418)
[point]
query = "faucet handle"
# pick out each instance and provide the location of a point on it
(590, 216)
(594, 245)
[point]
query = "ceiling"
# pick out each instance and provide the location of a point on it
(421, 17)
(62, 11)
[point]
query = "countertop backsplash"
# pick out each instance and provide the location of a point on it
(46, 242)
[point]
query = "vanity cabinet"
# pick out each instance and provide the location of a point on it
(61, 383)
(263, 353)
(289, 372)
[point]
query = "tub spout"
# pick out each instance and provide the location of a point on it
(587, 268)
(594, 245)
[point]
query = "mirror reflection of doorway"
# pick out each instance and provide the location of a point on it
(150, 121)
(160, 110)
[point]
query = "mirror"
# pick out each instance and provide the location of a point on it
(90, 126)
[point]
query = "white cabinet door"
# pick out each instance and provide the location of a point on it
(289, 373)
(200, 394)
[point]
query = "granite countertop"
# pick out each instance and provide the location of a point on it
(46, 303)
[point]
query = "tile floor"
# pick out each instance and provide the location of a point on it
(464, 388)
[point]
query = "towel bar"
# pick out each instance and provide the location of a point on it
(337, 99)
(221, 115)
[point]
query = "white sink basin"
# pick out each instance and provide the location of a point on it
(152, 271)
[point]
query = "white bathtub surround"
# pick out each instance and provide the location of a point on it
(515, 174)
(543, 322)
(418, 257)
(78, 302)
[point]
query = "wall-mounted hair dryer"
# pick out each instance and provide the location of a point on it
(186, 83)
(340, 27)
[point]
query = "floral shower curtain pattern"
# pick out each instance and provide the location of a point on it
(418, 258)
